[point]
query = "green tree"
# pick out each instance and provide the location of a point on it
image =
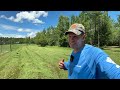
(63, 25)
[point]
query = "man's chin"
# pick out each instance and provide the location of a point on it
(73, 47)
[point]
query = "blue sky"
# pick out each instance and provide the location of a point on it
(28, 23)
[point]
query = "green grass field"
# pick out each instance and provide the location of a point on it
(114, 53)
(33, 62)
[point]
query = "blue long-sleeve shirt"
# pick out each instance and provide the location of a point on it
(92, 63)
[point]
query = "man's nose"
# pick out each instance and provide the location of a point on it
(71, 38)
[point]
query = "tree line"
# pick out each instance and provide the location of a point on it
(101, 30)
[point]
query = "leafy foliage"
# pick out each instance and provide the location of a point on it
(101, 30)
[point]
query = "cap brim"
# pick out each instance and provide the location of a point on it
(67, 32)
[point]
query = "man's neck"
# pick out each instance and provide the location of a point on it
(78, 49)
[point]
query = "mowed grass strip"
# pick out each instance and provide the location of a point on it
(42, 62)
(33, 62)
(46, 59)
(9, 66)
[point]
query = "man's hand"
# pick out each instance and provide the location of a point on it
(61, 64)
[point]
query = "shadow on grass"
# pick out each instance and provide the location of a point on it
(114, 47)
(116, 50)
(110, 47)
(106, 48)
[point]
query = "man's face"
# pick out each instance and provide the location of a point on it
(75, 41)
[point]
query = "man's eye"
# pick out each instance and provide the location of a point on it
(75, 37)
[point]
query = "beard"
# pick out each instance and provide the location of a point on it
(77, 45)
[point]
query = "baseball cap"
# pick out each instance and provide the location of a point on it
(76, 28)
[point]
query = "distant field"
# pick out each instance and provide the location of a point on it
(33, 62)
(114, 53)
(8, 48)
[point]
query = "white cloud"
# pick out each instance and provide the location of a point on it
(38, 21)
(29, 32)
(0, 34)
(18, 29)
(3, 16)
(32, 16)
(10, 18)
(8, 27)
(25, 30)
(12, 35)
(32, 34)
(19, 36)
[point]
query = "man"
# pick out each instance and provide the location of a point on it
(87, 61)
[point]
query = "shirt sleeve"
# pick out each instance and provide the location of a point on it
(107, 67)
(66, 64)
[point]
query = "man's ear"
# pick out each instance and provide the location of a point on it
(84, 36)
